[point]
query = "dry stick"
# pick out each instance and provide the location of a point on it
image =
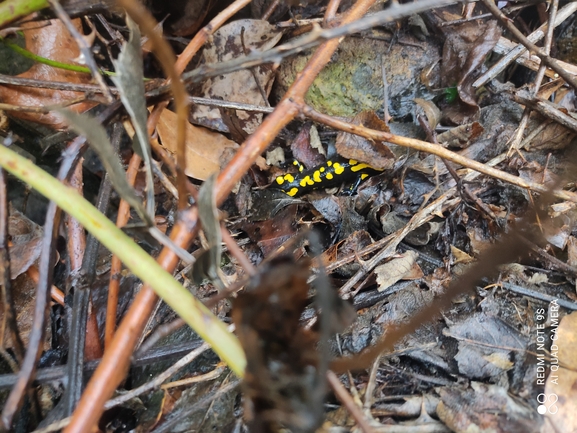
(43, 109)
(56, 294)
(433, 149)
(114, 365)
(84, 48)
(116, 265)
(546, 109)
(195, 44)
(36, 337)
(348, 402)
(270, 10)
(167, 59)
(504, 252)
(515, 52)
(331, 11)
(545, 58)
(76, 245)
(538, 79)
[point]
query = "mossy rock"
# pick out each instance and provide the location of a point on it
(353, 79)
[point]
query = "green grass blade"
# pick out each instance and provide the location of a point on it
(193, 312)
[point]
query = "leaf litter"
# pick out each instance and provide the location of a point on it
(479, 360)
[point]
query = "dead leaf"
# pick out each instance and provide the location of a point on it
(464, 52)
(485, 408)
(239, 86)
(204, 148)
(395, 270)
(303, 150)
(48, 39)
(461, 136)
(26, 242)
(460, 256)
(359, 148)
(432, 112)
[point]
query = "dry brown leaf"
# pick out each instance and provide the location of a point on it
(460, 256)
(48, 39)
(228, 43)
(395, 270)
(204, 148)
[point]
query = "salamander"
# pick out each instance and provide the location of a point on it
(332, 173)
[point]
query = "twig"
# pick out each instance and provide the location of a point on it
(348, 402)
(538, 79)
(84, 48)
(116, 265)
(26, 374)
(311, 40)
(519, 50)
(433, 149)
(538, 295)
(545, 58)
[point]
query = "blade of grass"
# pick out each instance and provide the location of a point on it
(193, 312)
(11, 10)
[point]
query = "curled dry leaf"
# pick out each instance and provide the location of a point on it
(430, 110)
(397, 269)
(464, 52)
(48, 39)
(232, 41)
(26, 242)
(204, 148)
(377, 153)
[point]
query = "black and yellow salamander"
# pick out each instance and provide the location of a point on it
(332, 173)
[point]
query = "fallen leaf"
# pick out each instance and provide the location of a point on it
(48, 39)
(204, 148)
(395, 270)
(230, 42)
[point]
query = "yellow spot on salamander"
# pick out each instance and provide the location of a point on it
(322, 169)
(339, 169)
(306, 181)
(353, 162)
(359, 167)
(364, 176)
(280, 180)
(329, 176)
(329, 163)
(317, 176)
(289, 177)
(293, 192)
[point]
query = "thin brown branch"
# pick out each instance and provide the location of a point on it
(167, 59)
(348, 402)
(84, 48)
(435, 150)
(36, 337)
(544, 56)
